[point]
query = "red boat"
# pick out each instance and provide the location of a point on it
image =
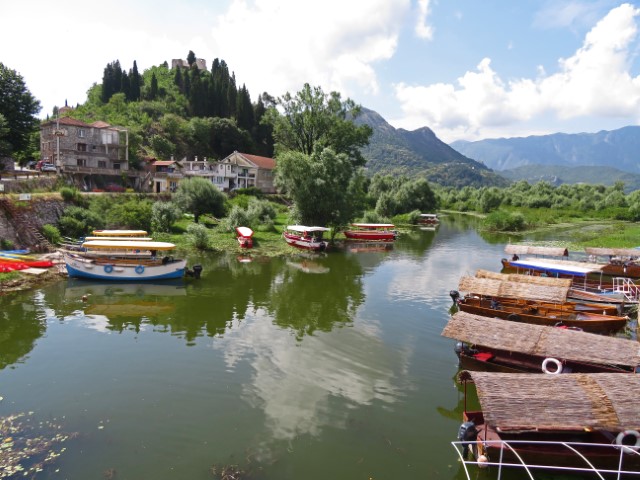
(245, 235)
(377, 232)
(307, 238)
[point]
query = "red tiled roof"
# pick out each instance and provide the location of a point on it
(164, 163)
(68, 121)
(262, 162)
(100, 124)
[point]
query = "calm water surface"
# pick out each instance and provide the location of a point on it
(310, 367)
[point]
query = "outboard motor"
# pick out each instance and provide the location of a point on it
(196, 272)
(458, 348)
(455, 295)
(467, 433)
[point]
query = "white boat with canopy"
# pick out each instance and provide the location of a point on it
(124, 260)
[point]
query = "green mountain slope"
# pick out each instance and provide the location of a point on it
(420, 152)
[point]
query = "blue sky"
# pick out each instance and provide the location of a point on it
(467, 69)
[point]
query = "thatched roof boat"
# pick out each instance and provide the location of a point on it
(621, 261)
(517, 249)
(485, 293)
(489, 343)
(531, 279)
(599, 410)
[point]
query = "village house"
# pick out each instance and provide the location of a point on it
(238, 170)
(83, 151)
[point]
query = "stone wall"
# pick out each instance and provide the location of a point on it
(41, 211)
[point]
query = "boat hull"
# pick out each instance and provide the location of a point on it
(372, 236)
(304, 243)
(589, 322)
(85, 268)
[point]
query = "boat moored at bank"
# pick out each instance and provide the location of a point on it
(374, 232)
(306, 238)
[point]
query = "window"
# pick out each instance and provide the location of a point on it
(82, 147)
(81, 162)
(116, 166)
(81, 132)
(102, 164)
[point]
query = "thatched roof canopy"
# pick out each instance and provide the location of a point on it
(534, 279)
(599, 401)
(542, 341)
(617, 252)
(533, 250)
(498, 288)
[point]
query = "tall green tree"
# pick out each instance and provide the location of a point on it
(198, 196)
(191, 58)
(153, 90)
(325, 186)
(19, 108)
(135, 81)
(314, 120)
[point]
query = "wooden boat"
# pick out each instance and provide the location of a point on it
(570, 305)
(244, 238)
(492, 344)
(482, 291)
(307, 238)
(375, 232)
(428, 219)
(119, 233)
(124, 260)
(622, 262)
(576, 421)
(587, 281)
(516, 250)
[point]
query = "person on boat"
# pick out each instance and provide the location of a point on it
(495, 305)
(515, 257)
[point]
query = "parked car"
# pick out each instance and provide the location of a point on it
(48, 167)
(114, 187)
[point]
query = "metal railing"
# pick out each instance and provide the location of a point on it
(571, 449)
(625, 286)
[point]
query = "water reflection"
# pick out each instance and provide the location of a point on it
(20, 326)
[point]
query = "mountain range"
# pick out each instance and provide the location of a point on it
(599, 158)
(393, 150)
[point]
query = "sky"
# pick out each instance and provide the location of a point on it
(467, 69)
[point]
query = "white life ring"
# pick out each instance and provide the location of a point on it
(555, 362)
(625, 446)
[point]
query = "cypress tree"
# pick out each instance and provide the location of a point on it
(177, 79)
(191, 58)
(135, 82)
(153, 91)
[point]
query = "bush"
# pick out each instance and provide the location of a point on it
(251, 191)
(237, 218)
(52, 234)
(502, 221)
(71, 227)
(6, 244)
(198, 235)
(260, 211)
(163, 215)
(70, 194)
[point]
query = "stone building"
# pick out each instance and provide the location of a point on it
(82, 150)
(201, 63)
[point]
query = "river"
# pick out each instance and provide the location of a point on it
(311, 367)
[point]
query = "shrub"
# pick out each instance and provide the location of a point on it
(502, 221)
(71, 227)
(70, 194)
(260, 211)
(163, 215)
(52, 234)
(198, 235)
(237, 217)
(252, 191)
(6, 244)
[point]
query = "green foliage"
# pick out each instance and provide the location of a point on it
(198, 236)
(237, 218)
(396, 195)
(198, 196)
(313, 120)
(77, 222)
(319, 185)
(502, 221)
(72, 194)
(260, 212)
(163, 216)
(131, 214)
(6, 244)
(371, 216)
(251, 191)
(18, 107)
(52, 234)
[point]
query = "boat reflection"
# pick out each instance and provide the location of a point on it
(307, 266)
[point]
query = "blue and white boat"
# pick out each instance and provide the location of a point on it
(124, 260)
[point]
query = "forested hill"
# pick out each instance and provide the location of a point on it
(420, 152)
(618, 148)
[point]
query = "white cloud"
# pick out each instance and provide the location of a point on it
(278, 45)
(595, 81)
(423, 30)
